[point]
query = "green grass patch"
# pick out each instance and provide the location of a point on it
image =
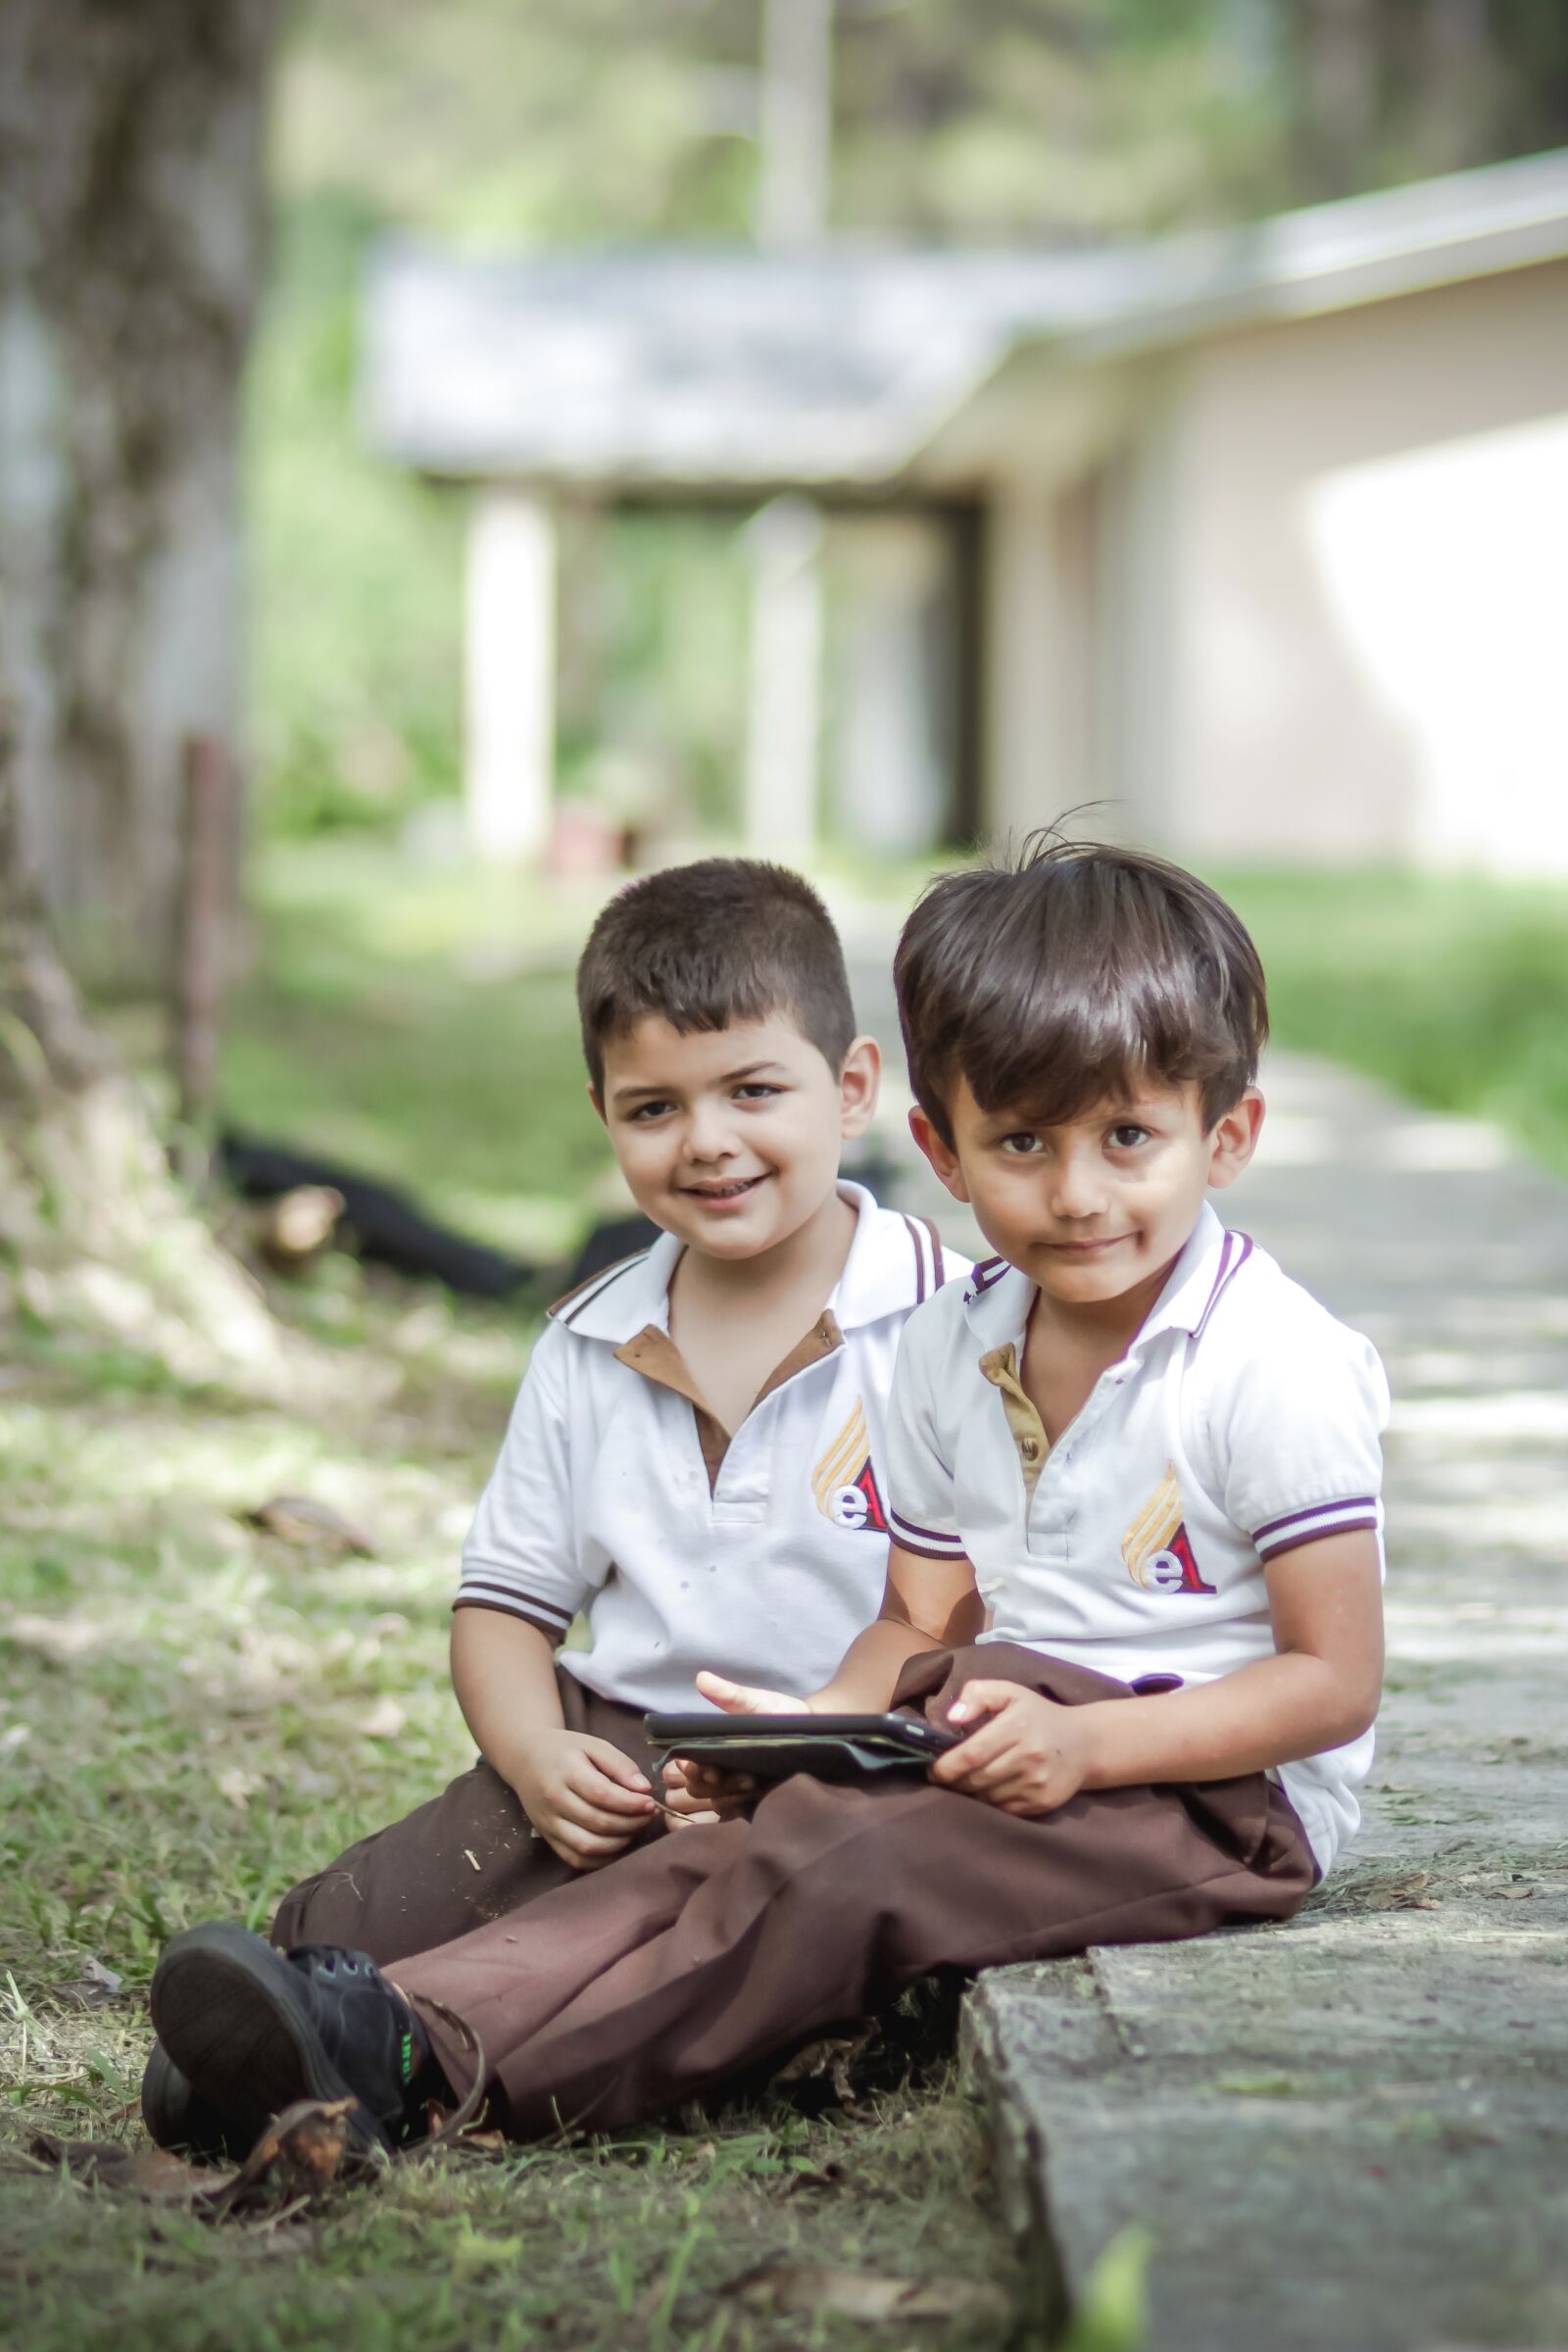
(193, 1714)
(1451, 990)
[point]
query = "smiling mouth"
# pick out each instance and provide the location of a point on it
(735, 1191)
(1088, 1249)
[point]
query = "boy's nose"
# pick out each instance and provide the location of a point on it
(709, 1135)
(1074, 1190)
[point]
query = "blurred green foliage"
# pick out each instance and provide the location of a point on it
(358, 602)
(1451, 990)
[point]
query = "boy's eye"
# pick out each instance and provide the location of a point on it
(1022, 1146)
(651, 1110)
(1128, 1134)
(755, 1090)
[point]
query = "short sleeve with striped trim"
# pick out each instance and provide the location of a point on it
(922, 1513)
(1294, 1424)
(521, 1556)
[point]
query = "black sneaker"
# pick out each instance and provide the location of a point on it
(177, 2119)
(251, 2032)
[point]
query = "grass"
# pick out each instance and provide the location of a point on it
(1451, 990)
(193, 1714)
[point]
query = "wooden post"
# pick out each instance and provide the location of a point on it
(199, 968)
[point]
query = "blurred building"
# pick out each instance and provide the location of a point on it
(1259, 536)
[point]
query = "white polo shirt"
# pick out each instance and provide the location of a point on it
(1242, 1422)
(761, 1555)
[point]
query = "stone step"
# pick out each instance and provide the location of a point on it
(1349, 2134)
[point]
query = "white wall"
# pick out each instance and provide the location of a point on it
(1363, 560)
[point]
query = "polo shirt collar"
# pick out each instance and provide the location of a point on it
(1213, 1258)
(625, 1298)
(998, 1297)
(891, 1266)
(890, 1259)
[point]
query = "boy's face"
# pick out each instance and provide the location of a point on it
(730, 1138)
(1100, 1206)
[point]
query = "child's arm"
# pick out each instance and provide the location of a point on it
(1319, 1690)
(584, 1796)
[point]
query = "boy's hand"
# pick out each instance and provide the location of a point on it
(584, 1796)
(697, 1792)
(1026, 1755)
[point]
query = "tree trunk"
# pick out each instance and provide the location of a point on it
(44, 1040)
(131, 245)
(1337, 77)
(98, 1245)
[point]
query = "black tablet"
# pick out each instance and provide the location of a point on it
(831, 1747)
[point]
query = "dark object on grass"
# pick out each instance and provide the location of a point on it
(611, 1240)
(378, 1222)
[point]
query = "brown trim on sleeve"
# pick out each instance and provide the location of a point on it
(553, 1631)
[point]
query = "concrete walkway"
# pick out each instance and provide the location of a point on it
(1352, 2131)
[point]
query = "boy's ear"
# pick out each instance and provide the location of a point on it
(859, 1084)
(594, 1099)
(1233, 1138)
(942, 1155)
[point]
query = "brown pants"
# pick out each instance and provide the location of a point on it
(709, 1951)
(467, 1856)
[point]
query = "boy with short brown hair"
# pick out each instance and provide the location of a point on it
(694, 1461)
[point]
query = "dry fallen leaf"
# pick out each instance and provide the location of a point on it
(1397, 1895)
(809, 2289)
(309, 1525)
(832, 2060)
(151, 2172)
(301, 2154)
(92, 1990)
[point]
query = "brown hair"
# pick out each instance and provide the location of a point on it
(728, 939)
(1072, 974)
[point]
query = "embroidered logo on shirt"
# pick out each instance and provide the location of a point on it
(844, 1480)
(1157, 1548)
